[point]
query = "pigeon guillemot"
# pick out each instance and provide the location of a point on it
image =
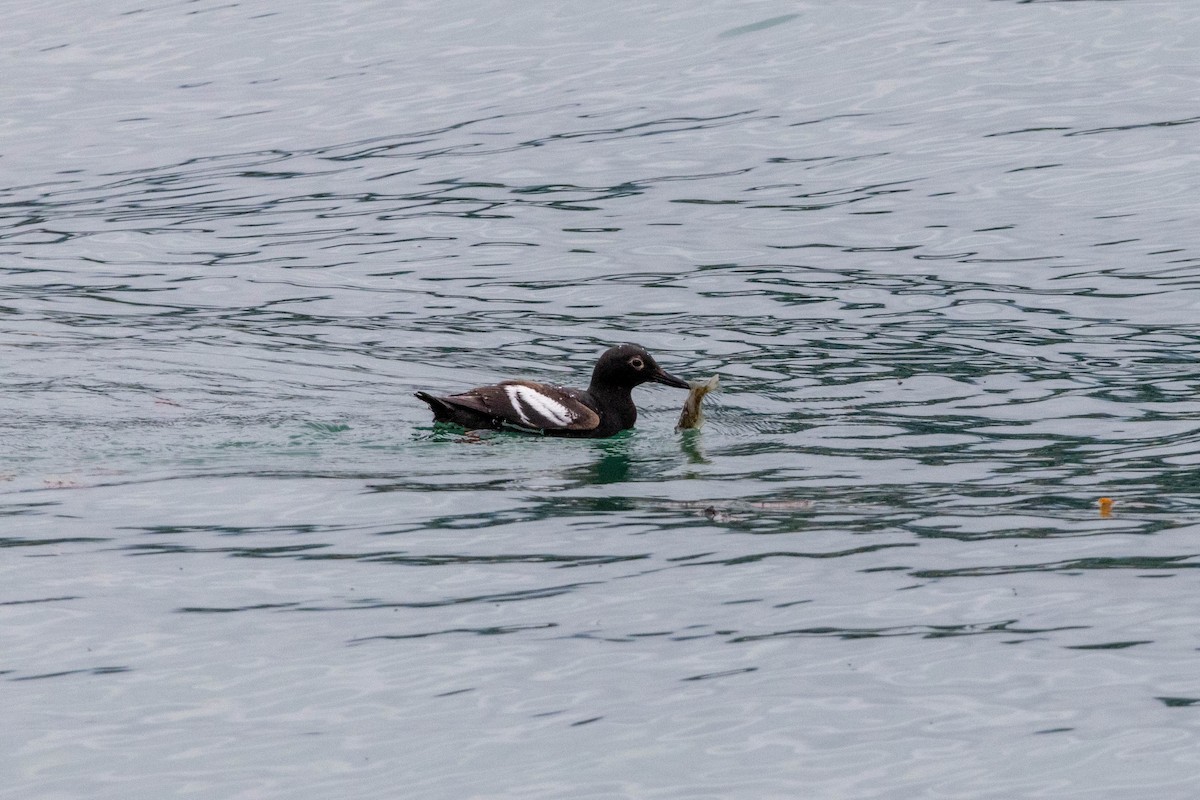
(604, 409)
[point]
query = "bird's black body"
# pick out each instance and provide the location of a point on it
(603, 409)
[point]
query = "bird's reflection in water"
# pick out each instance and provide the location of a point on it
(616, 464)
(613, 465)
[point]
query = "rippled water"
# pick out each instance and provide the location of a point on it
(943, 256)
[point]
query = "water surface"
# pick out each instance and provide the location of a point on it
(943, 258)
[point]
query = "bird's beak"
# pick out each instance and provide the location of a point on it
(667, 379)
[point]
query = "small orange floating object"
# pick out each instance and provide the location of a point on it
(1106, 504)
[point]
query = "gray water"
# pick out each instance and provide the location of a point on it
(944, 257)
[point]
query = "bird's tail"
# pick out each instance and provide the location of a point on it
(441, 409)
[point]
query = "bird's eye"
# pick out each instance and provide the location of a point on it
(636, 362)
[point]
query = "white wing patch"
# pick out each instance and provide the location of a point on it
(536, 409)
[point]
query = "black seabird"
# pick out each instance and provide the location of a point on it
(603, 409)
